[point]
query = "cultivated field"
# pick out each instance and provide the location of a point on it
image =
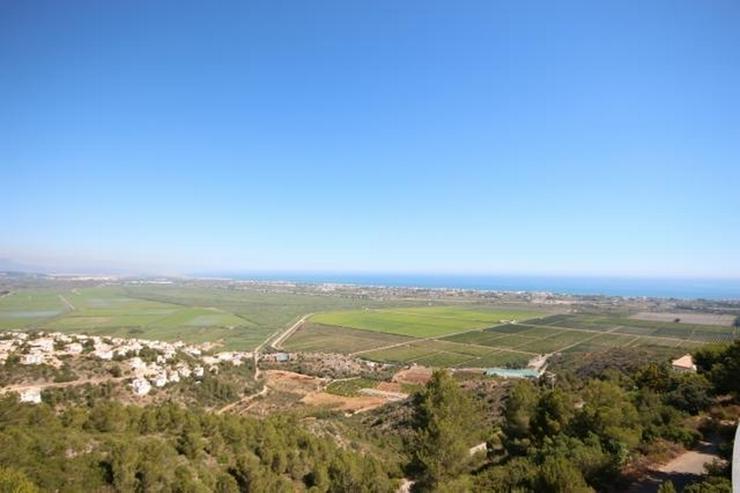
(463, 335)
(454, 337)
(423, 321)
(687, 318)
(239, 319)
(18, 310)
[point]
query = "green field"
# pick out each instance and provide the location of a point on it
(18, 310)
(473, 337)
(239, 318)
(319, 338)
(463, 335)
(421, 322)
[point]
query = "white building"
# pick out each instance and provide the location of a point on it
(105, 354)
(684, 364)
(32, 395)
(193, 351)
(136, 363)
(74, 348)
(198, 371)
(210, 361)
(160, 380)
(141, 386)
(225, 356)
(32, 359)
(45, 344)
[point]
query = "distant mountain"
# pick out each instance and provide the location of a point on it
(10, 265)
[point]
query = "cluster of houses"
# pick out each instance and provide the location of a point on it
(51, 348)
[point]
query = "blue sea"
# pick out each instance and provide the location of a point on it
(714, 289)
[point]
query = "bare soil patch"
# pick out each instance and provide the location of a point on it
(416, 375)
(343, 403)
(389, 387)
(292, 382)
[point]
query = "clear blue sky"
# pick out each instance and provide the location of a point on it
(474, 137)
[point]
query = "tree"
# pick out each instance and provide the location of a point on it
(518, 413)
(713, 484)
(666, 487)
(655, 376)
(724, 371)
(124, 462)
(14, 481)
(552, 414)
(446, 422)
(609, 413)
(558, 475)
(516, 475)
(225, 483)
(690, 392)
(707, 356)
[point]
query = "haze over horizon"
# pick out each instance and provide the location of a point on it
(531, 139)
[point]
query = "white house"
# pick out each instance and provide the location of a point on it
(32, 359)
(184, 371)
(141, 386)
(160, 380)
(74, 348)
(105, 354)
(684, 364)
(32, 395)
(136, 363)
(45, 344)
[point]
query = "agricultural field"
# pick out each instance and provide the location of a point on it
(625, 324)
(398, 331)
(18, 310)
(238, 319)
(414, 334)
(421, 321)
(687, 318)
(454, 336)
(324, 338)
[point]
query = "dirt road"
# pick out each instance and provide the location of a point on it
(681, 470)
(277, 343)
(55, 385)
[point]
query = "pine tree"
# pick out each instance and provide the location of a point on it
(446, 418)
(666, 487)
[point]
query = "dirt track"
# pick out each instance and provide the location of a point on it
(681, 470)
(56, 385)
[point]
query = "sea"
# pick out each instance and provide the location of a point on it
(679, 288)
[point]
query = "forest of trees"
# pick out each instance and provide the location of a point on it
(573, 435)
(169, 448)
(578, 435)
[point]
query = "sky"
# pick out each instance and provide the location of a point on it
(581, 138)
